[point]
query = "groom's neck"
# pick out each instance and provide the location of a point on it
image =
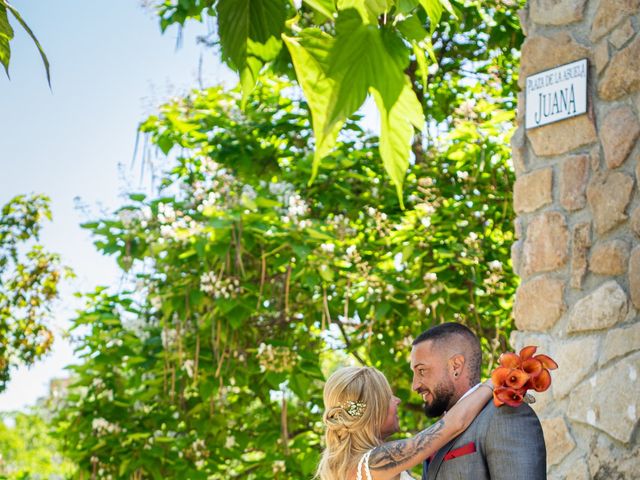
(460, 390)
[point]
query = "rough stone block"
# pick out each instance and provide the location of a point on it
(609, 194)
(518, 227)
(594, 157)
(601, 56)
(556, 12)
(609, 14)
(577, 471)
(533, 190)
(634, 221)
(576, 359)
(541, 53)
(608, 460)
(622, 76)
(546, 246)
(610, 400)
(603, 308)
(516, 255)
(581, 241)
(519, 151)
(619, 342)
(622, 34)
(562, 137)
(618, 135)
(610, 257)
(557, 439)
(539, 304)
(573, 182)
(634, 277)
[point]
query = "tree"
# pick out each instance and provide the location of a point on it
(6, 35)
(29, 281)
(27, 451)
(409, 55)
(248, 280)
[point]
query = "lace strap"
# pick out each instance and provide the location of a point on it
(364, 462)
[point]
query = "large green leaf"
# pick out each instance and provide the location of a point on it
(434, 10)
(396, 132)
(325, 7)
(369, 10)
(24, 25)
(249, 33)
(336, 76)
(6, 34)
(310, 52)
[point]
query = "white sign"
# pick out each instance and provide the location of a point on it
(556, 94)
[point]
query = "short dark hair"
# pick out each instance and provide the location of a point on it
(445, 331)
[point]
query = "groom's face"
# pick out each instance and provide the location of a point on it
(431, 378)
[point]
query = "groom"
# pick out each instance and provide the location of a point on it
(502, 443)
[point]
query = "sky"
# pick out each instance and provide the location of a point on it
(110, 67)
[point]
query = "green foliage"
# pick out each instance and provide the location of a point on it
(27, 451)
(29, 278)
(402, 52)
(248, 281)
(6, 35)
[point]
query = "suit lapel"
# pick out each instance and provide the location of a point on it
(435, 464)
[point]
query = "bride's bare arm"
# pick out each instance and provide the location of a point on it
(391, 458)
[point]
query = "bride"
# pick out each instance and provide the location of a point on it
(361, 411)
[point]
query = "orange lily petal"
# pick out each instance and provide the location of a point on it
(499, 375)
(508, 396)
(542, 381)
(532, 366)
(516, 378)
(496, 401)
(509, 360)
(527, 352)
(547, 362)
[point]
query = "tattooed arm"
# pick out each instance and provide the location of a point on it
(389, 459)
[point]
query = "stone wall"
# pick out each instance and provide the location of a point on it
(578, 230)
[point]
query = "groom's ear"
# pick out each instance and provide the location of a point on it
(456, 365)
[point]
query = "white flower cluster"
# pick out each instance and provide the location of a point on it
(188, 367)
(276, 359)
(293, 205)
(216, 187)
(169, 338)
(249, 193)
(219, 287)
(198, 452)
(230, 442)
(328, 247)
(425, 211)
(101, 427)
(100, 391)
(279, 466)
(138, 326)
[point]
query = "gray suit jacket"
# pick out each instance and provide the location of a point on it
(508, 445)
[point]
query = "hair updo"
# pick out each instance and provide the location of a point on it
(352, 431)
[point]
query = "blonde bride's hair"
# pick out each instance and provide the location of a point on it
(349, 435)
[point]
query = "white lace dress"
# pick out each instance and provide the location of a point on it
(364, 461)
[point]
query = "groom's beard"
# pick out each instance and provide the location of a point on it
(443, 396)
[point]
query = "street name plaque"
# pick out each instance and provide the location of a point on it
(556, 94)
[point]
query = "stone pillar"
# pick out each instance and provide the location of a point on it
(578, 238)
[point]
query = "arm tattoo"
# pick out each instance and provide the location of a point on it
(393, 454)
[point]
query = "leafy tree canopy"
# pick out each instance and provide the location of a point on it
(29, 280)
(409, 55)
(247, 282)
(27, 451)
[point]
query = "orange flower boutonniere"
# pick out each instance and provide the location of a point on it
(519, 373)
